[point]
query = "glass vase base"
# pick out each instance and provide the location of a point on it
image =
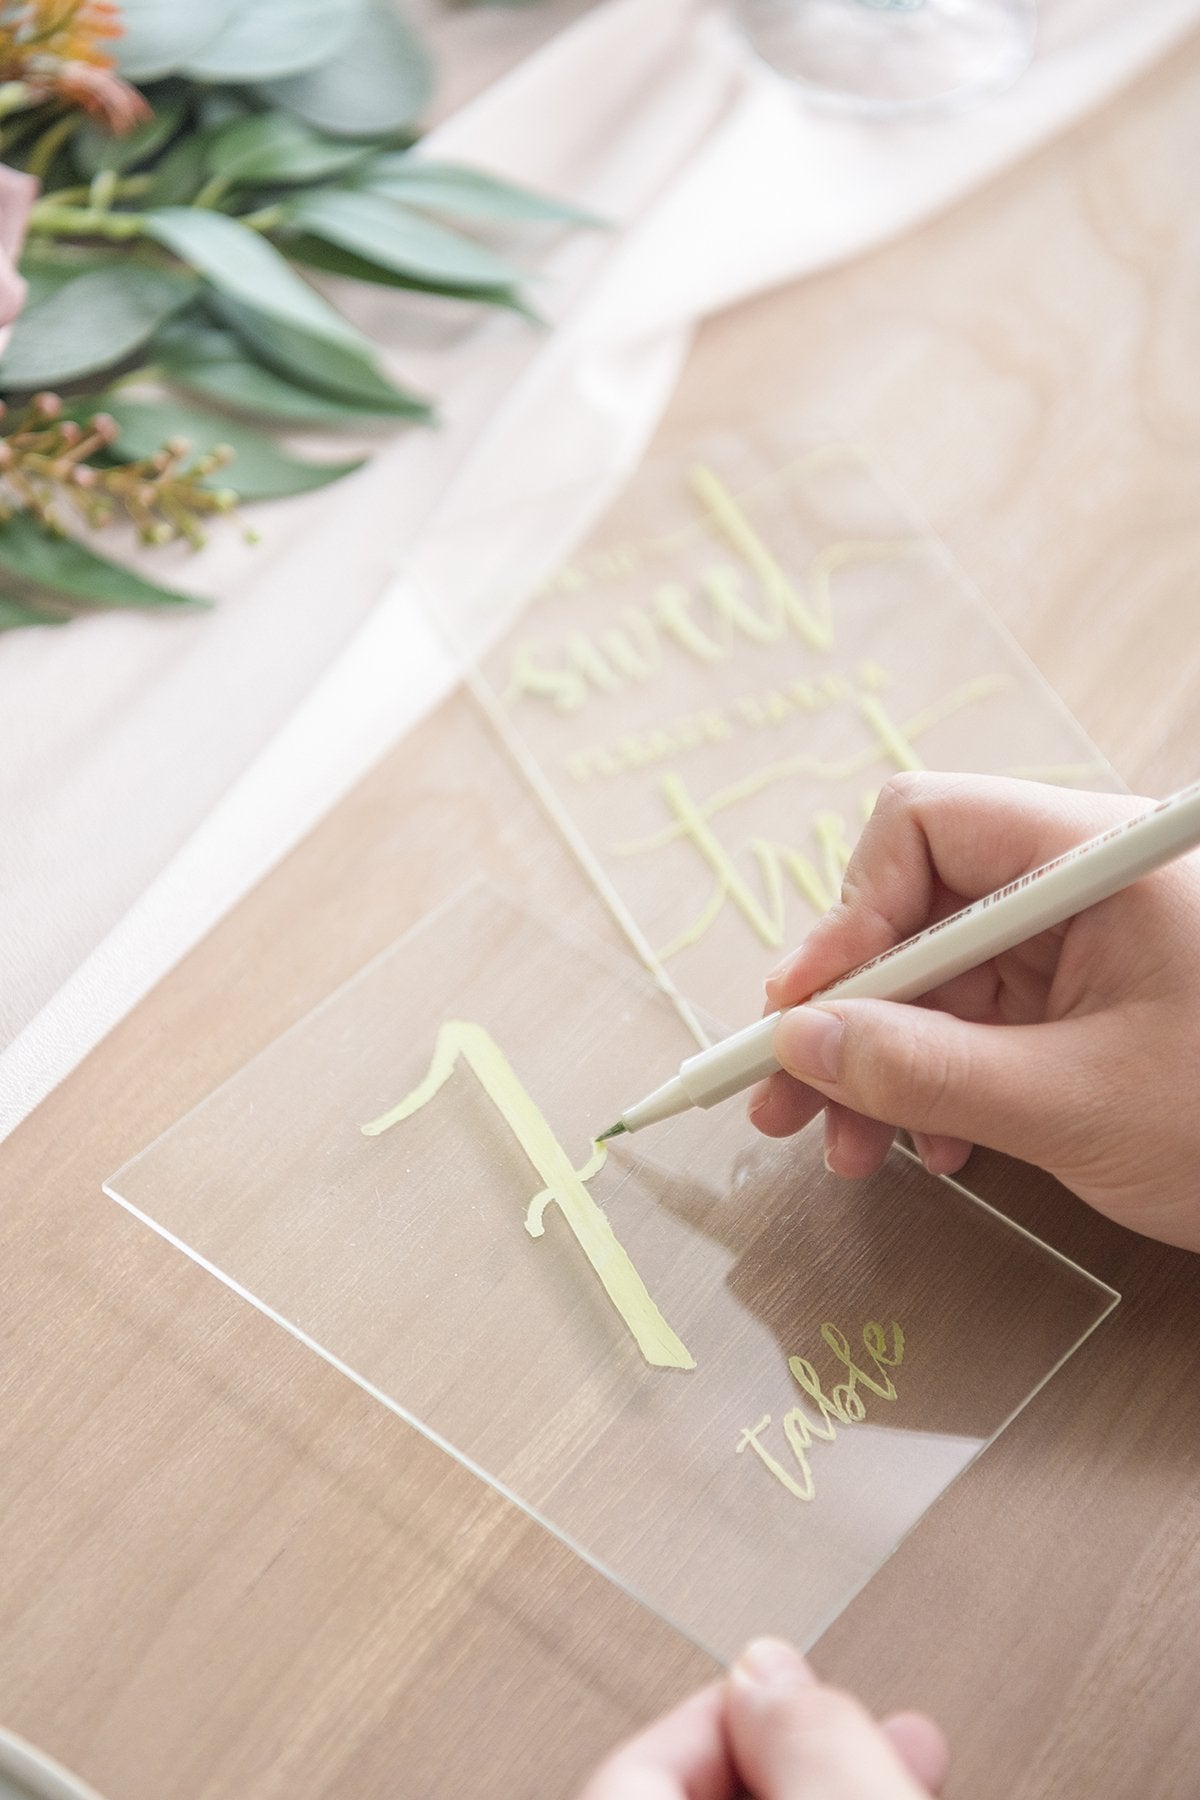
(890, 59)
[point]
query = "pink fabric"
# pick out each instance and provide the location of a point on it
(17, 195)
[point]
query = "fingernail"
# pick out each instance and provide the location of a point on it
(785, 962)
(831, 1139)
(770, 1663)
(808, 1042)
(780, 970)
(923, 1146)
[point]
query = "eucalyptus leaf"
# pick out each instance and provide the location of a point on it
(159, 36)
(40, 282)
(276, 148)
(379, 81)
(396, 238)
(317, 254)
(181, 174)
(47, 265)
(220, 106)
(33, 557)
(94, 149)
(213, 363)
(244, 266)
(464, 193)
(91, 322)
(332, 368)
(260, 470)
(13, 614)
(263, 39)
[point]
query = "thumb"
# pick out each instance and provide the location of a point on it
(793, 1739)
(1010, 1087)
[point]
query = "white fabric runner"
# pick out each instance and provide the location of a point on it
(154, 769)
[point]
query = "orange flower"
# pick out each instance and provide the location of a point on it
(68, 30)
(55, 48)
(99, 91)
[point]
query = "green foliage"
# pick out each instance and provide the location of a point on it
(230, 40)
(14, 613)
(94, 149)
(378, 82)
(168, 260)
(274, 147)
(308, 361)
(460, 192)
(264, 471)
(404, 242)
(262, 39)
(245, 266)
(65, 462)
(91, 321)
(215, 365)
(52, 574)
(159, 36)
(318, 254)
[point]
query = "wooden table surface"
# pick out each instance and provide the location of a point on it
(228, 1575)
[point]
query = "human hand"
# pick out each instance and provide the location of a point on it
(773, 1731)
(1078, 1051)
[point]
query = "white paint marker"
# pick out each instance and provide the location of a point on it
(1058, 890)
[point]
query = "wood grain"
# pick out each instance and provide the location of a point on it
(227, 1574)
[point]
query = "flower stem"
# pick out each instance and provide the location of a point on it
(50, 143)
(128, 188)
(103, 190)
(132, 378)
(14, 97)
(55, 220)
(212, 191)
(265, 219)
(46, 463)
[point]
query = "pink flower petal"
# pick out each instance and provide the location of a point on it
(17, 194)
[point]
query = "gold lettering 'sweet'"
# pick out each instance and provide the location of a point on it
(565, 1184)
(843, 1404)
(726, 585)
(708, 625)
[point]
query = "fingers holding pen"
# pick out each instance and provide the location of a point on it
(933, 843)
(1015, 1053)
(781, 1105)
(941, 1155)
(855, 1145)
(1009, 1087)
